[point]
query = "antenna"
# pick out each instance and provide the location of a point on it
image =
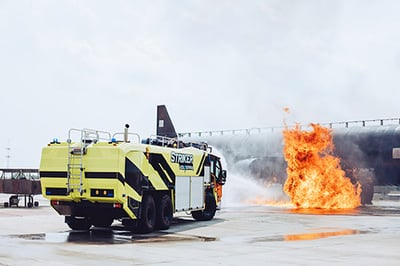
(8, 156)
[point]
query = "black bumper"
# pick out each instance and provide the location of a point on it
(88, 209)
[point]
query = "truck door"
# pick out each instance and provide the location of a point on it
(218, 176)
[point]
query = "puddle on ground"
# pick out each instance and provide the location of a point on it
(95, 236)
(125, 237)
(312, 236)
(118, 235)
(308, 236)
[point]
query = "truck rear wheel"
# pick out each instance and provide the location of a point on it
(164, 213)
(147, 220)
(209, 210)
(78, 223)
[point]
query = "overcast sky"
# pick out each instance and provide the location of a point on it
(215, 64)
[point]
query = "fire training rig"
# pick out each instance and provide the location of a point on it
(99, 179)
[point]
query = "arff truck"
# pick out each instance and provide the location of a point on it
(98, 179)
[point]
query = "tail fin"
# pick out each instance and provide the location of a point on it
(164, 124)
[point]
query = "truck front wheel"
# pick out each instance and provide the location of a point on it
(147, 220)
(209, 210)
(76, 223)
(164, 213)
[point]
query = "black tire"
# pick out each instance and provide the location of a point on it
(36, 203)
(30, 204)
(5, 204)
(13, 200)
(102, 221)
(164, 213)
(147, 221)
(78, 223)
(209, 210)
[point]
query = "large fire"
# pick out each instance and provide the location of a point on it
(314, 176)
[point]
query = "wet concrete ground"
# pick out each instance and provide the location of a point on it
(239, 235)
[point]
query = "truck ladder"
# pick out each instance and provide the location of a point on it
(75, 168)
(76, 153)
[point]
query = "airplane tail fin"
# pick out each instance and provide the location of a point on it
(165, 127)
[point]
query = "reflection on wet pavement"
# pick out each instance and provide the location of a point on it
(252, 234)
(318, 235)
(308, 236)
(121, 235)
(100, 236)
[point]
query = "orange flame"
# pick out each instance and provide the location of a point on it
(314, 176)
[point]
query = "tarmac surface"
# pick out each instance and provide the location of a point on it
(238, 235)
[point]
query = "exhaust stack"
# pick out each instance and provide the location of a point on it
(126, 133)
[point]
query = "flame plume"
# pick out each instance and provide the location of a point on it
(314, 176)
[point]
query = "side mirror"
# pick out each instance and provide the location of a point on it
(222, 178)
(223, 174)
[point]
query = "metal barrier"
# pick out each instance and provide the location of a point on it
(250, 131)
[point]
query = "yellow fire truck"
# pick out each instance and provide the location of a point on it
(97, 179)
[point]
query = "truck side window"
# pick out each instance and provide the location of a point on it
(212, 166)
(218, 168)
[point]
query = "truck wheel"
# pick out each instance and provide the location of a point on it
(13, 200)
(209, 211)
(78, 223)
(148, 216)
(164, 213)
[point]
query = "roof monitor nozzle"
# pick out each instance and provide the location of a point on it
(126, 132)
